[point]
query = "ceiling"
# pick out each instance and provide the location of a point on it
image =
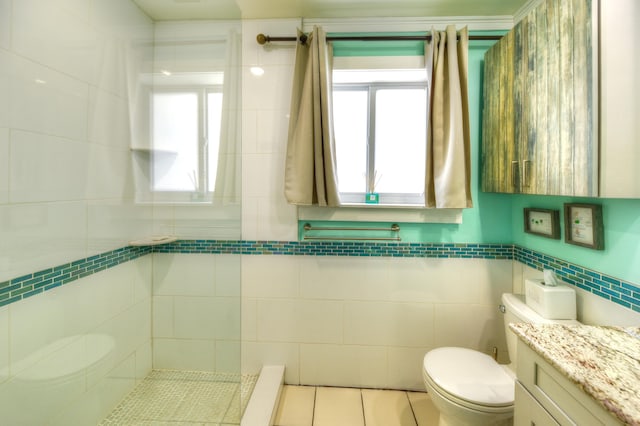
(263, 9)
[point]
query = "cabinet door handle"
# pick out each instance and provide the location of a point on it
(526, 166)
(514, 171)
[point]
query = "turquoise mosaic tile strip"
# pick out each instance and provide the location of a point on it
(340, 248)
(29, 285)
(618, 291)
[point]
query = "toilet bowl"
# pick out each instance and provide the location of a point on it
(468, 387)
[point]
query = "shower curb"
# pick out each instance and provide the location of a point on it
(263, 404)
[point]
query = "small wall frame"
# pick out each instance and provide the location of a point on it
(583, 225)
(542, 222)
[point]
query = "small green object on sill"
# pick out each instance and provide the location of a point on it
(372, 198)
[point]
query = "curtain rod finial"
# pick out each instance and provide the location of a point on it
(261, 38)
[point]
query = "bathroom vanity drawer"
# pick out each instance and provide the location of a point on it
(528, 411)
(563, 400)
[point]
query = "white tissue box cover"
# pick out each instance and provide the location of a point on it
(555, 303)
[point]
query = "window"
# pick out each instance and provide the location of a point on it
(186, 138)
(380, 118)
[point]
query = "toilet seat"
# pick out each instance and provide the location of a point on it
(470, 378)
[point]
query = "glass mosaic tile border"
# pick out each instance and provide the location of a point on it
(29, 285)
(621, 292)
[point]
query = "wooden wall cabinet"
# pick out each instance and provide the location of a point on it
(560, 111)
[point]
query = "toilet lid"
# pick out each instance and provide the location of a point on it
(470, 375)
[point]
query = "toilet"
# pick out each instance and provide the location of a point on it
(469, 387)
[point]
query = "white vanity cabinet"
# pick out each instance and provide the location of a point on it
(544, 396)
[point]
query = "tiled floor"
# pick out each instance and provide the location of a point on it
(175, 398)
(326, 406)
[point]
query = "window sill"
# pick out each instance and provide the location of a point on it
(380, 213)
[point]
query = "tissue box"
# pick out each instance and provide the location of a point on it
(555, 303)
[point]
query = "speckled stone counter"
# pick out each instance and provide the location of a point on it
(603, 361)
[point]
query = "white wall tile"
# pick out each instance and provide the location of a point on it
(300, 321)
(109, 173)
(343, 365)
(56, 37)
(130, 329)
(38, 236)
(272, 131)
(46, 101)
(183, 274)
(405, 368)
(278, 220)
(47, 168)
(257, 354)
(477, 327)
(389, 324)
(227, 275)
(228, 356)
(162, 317)
(249, 319)
(144, 360)
(249, 131)
(97, 403)
(5, 24)
(194, 317)
(4, 165)
(266, 92)
(207, 222)
(250, 217)
(112, 223)
(184, 354)
(5, 87)
(227, 318)
(263, 175)
(270, 276)
(344, 278)
(30, 400)
(4, 344)
(108, 117)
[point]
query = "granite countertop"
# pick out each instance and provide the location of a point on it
(604, 361)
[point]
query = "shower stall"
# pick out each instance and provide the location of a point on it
(120, 142)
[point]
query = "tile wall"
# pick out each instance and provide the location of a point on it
(69, 86)
(69, 80)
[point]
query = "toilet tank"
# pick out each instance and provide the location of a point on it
(516, 310)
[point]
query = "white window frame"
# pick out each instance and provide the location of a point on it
(386, 199)
(202, 193)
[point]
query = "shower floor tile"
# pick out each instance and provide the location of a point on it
(175, 398)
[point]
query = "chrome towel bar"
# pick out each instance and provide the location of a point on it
(393, 228)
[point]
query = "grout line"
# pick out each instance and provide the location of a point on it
(364, 419)
(415, 418)
(313, 409)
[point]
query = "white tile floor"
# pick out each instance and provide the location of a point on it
(167, 397)
(327, 406)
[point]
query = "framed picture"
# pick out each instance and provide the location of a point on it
(583, 225)
(543, 222)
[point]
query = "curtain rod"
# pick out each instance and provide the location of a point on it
(263, 39)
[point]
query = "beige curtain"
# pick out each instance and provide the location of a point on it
(448, 171)
(227, 189)
(310, 169)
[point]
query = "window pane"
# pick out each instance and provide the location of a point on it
(214, 118)
(400, 140)
(350, 126)
(175, 141)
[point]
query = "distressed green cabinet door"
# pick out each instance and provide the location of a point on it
(540, 95)
(498, 144)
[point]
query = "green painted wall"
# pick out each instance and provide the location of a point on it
(498, 218)
(621, 255)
